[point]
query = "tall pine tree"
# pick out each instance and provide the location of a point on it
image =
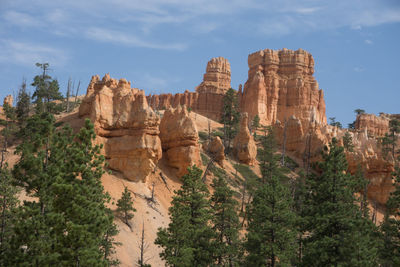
(187, 240)
(271, 229)
(225, 224)
(69, 223)
(334, 219)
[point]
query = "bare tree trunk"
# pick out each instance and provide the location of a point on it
(68, 93)
(77, 92)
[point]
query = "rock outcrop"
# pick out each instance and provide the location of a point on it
(217, 79)
(374, 125)
(8, 100)
(281, 84)
(179, 139)
(216, 149)
(208, 98)
(125, 125)
(244, 147)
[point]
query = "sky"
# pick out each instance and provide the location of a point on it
(163, 46)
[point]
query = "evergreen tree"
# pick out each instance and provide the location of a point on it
(359, 111)
(334, 218)
(225, 224)
(69, 223)
(230, 117)
(271, 229)
(8, 204)
(187, 240)
(390, 228)
(23, 104)
(125, 206)
(255, 124)
(47, 90)
(348, 142)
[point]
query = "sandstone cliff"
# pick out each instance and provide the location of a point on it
(179, 139)
(375, 126)
(216, 149)
(280, 84)
(125, 125)
(207, 100)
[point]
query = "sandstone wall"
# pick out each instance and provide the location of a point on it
(125, 125)
(207, 100)
(179, 139)
(281, 84)
(374, 125)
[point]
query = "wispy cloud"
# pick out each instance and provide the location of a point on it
(27, 54)
(117, 37)
(369, 42)
(21, 19)
(358, 69)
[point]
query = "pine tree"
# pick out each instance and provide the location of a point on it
(348, 142)
(8, 205)
(230, 117)
(125, 206)
(333, 216)
(225, 224)
(62, 170)
(390, 228)
(187, 240)
(23, 104)
(271, 229)
(47, 90)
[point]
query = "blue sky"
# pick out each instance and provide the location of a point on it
(164, 45)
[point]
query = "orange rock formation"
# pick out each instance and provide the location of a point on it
(375, 126)
(216, 149)
(8, 100)
(179, 139)
(125, 125)
(207, 100)
(244, 146)
(281, 84)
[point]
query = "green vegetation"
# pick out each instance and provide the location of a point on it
(125, 206)
(230, 117)
(188, 239)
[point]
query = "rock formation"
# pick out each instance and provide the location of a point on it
(208, 98)
(244, 146)
(179, 139)
(217, 79)
(281, 84)
(375, 126)
(8, 100)
(216, 149)
(125, 125)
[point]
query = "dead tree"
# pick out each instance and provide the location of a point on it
(77, 92)
(68, 93)
(143, 247)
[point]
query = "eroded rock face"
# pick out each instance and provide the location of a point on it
(216, 149)
(8, 100)
(281, 84)
(125, 125)
(179, 139)
(244, 146)
(217, 79)
(208, 98)
(375, 126)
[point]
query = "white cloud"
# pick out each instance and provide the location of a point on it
(21, 19)
(369, 42)
(109, 36)
(358, 69)
(27, 54)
